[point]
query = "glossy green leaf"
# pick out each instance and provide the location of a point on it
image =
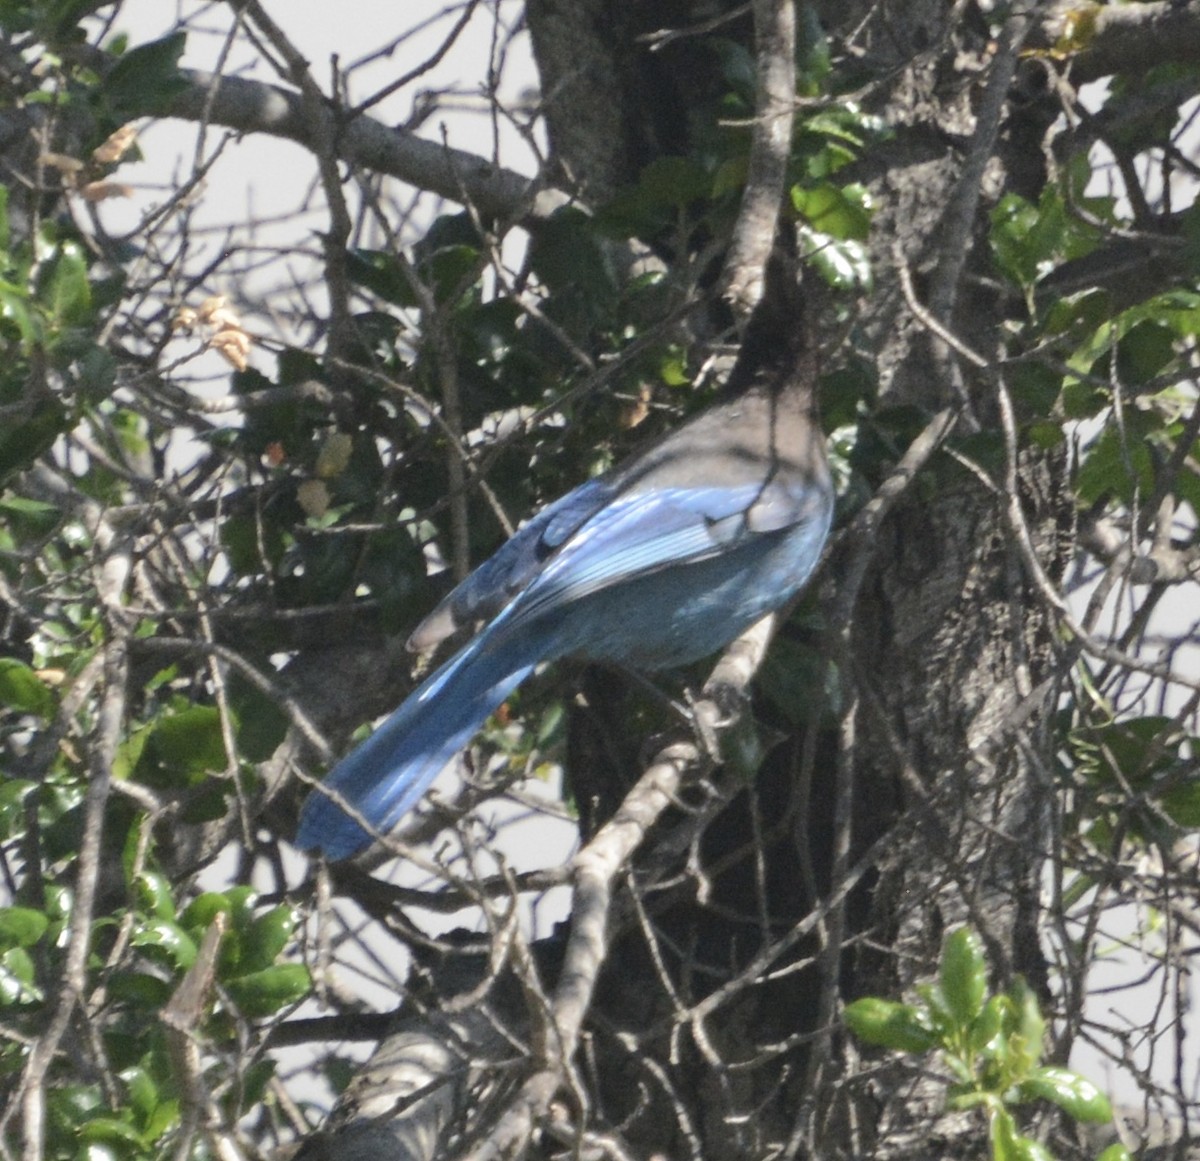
(265, 938)
(169, 939)
(154, 895)
(201, 911)
(1027, 1149)
(21, 689)
(888, 1024)
(986, 1027)
(963, 975)
(841, 212)
(265, 992)
(188, 742)
(1029, 1031)
(68, 296)
(1115, 1152)
(21, 926)
(110, 1130)
(844, 264)
(17, 979)
(1072, 1093)
(1002, 1131)
(143, 1089)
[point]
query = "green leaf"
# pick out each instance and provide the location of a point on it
(1115, 1152)
(261, 723)
(68, 297)
(1029, 1032)
(263, 993)
(143, 1089)
(380, 272)
(185, 744)
(658, 202)
(1027, 1149)
(844, 263)
(22, 443)
(1003, 1133)
(30, 519)
(447, 270)
(888, 1024)
(17, 977)
(265, 938)
(1072, 1093)
(202, 910)
(21, 926)
(21, 689)
(154, 895)
(987, 1025)
(169, 939)
(1182, 803)
(15, 309)
(963, 975)
(1116, 464)
(1143, 351)
(146, 79)
(140, 990)
(97, 378)
(253, 1083)
(842, 212)
(672, 368)
(111, 1131)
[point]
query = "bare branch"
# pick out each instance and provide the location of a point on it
(1131, 38)
(253, 107)
(775, 96)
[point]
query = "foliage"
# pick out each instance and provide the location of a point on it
(991, 1046)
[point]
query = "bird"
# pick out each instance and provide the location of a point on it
(657, 563)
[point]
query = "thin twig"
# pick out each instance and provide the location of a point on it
(109, 721)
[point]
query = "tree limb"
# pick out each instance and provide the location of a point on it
(1132, 38)
(754, 233)
(254, 107)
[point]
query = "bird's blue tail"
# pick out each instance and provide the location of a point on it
(387, 775)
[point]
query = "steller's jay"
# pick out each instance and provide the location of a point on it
(657, 563)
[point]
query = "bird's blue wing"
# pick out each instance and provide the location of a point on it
(639, 533)
(495, 582)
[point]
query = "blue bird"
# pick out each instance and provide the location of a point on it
(659, 562)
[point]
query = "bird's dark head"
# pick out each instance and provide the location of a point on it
(777, 338)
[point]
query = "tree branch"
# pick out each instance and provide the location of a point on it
(254, 107)
(1133, 38)
(754, 233)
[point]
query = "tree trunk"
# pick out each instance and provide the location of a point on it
(950, 655)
